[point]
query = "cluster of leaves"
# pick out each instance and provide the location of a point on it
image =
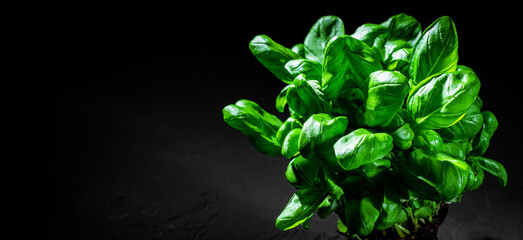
(384, 124)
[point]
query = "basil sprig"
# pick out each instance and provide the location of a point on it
(384, 125)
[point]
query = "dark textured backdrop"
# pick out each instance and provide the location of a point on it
(133, 146)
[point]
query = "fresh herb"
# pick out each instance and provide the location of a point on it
(384, 125)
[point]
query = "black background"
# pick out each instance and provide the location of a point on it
(132, 144)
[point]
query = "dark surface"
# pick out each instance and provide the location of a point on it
(132, 144)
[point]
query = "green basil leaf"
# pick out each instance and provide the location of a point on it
(361, 214)
(400, 61)
(319, 131)
(434, 176)
(327, 207)
(286, 127)
(426, 210)
(273, 56)
(350, 101)
(399, 65)
(476, 176)
(405, 115)
(348, 62)
(306, 98)
(455, 149)
(386, 93)
(300, 208)
(443, 100)
(281, 100)
(334, 189)
(290, 144)
(304, 66)
(397, 122)
(302, 172)
(360, 147)
(354, 111)
(403, 136)
(436, 51)
(394, 46)
(336, 68)
(390, 209)
(341, 226)
(429, 141)
(273, 120)
(373, 169)
(481, 141)
(464, 68)
(256, 124)
(299, 49)
(404, 27)
(321, 32)
(466, 128)
(368, 32)
(374, 35)
(493, 167)
(402, 54)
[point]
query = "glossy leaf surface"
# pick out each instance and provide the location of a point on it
(403, 136)
(281, 100)
(373, 169)
(306, 98)
(285, 128)
(482, 139)
(429, 141)
(436, 51)
(466, 128)
(443, 100)
(348, 62)
(302, 172)
(403, 27)
(273, 56)
(290, 144)
(320, 129)
(360, 147)
(299, 49)
(390, 210)
(311, 69)
(319, 35)
(434, 176)
(374, 35)
(327, 207)
(476, 176)
(300, 207)
(259, 126)
(386, 93)
(493, 167)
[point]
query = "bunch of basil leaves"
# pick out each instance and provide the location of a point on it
(384, 124)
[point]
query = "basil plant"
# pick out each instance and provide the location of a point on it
(385, 126)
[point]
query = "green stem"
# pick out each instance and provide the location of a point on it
(401, 230)
(438, 206)
(398, 230)
(414, 219)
